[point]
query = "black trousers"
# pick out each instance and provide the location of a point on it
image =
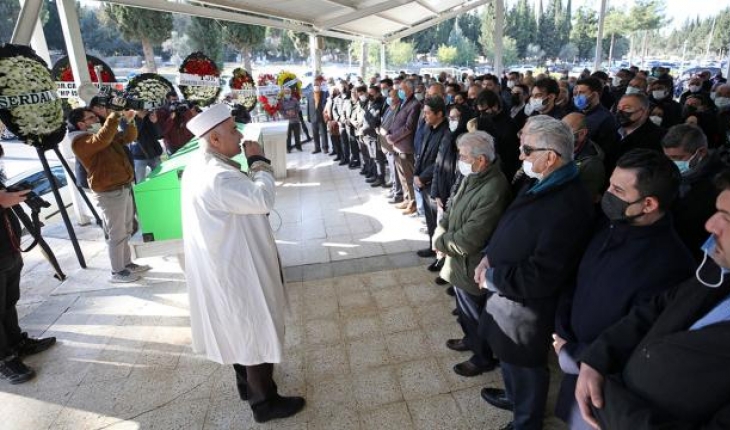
(293, 130)
(304, 124)
(10, 334)
(319, 135)
(354, 146)
(527, 387)
(344, 142)
(255, 383)
(470, 307)
(429, 210)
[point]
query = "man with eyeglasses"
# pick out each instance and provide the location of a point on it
(530, 259)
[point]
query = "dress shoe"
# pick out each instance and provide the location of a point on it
(343, 163)
(355, 165)
(497, 397)
(395, 200)
(332, 153)
(410, 210)
(402, 205)
(364, 172)
(29, 346)
(307, 140)
(510, 426)
(455, 312)
(371, 179)
(15, 371)
(299, 148)
(450, 291)
(378, 183)
(336, 159)
(469, 369)
(436, 265)
(278, 407)
(316, 151)
(441, 281)
(457, 345)
(426, 253)
(387, 184)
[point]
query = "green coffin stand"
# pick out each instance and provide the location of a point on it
(158, 197)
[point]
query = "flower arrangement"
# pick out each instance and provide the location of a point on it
(62, 70)
(243, 88)
(205, 91)
(29, 105)
(150, 87)
(289, 79)
(264, 81)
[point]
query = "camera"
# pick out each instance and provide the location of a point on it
(33, 200)
(119, 101)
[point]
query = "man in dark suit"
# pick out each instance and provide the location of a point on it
(316, 101)
(530, 259)
(632, 113)
(665, 364)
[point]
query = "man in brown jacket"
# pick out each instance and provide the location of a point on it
(100, 149)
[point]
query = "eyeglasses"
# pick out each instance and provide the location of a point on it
(527, 150)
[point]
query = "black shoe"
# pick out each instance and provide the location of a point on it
(450, 291)
(29, 346)
(334, 153)
(387, 184)
(457, 345)
(395, 200)
(343, 163)
(278, 407)
(308, 139)
(497, 397)
(426, 253)
(354, 166)
(469, 369)
(299, 148)
(336, 158)
(455, 312)
(364, 172)
(436, 265)
(14, 371)
(371, 179)
(288, 150)
(510, 426)
(316, 151)
(378, 183)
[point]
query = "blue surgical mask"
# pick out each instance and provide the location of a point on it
(708, 248)
(287, 96)
(684, 165)
(388, 101)
(581, 101)
(401, 94)
(449, 99)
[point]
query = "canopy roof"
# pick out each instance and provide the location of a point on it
(377, 20)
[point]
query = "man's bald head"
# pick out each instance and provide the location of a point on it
(576, 121)
(723, 90)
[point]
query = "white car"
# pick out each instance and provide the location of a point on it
(36, 180)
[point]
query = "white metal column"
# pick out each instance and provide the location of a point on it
(74, 44)
(315, 53)
(363, 61)
(498, 35)
(38, 39)
(382, 60)
(599, 37)
(27, 19)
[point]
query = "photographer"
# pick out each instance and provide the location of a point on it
(14, 343)
(146, 150)
(101, 151)
(173, 121)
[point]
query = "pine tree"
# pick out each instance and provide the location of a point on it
(149, 27)
(244, 38)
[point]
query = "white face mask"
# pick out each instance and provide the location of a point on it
(527, 168)
(537, 105)
(632, 90)
(694, 88)
(659, 94)
(708, 248)
(656, 119)
(721, 102)
(363, 98)
(529, 109)
(419, 96)
(510, 84)
(94, 128)
(464, 168)
(616, 81)
(713, 96)
(453, 125)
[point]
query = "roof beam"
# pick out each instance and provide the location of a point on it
(431, 22)
(428, 6)
(360, 13)
(341, 3)
(238, 7)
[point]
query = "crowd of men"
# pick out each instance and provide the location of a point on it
(570, 213)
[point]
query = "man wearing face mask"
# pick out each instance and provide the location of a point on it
(694, 88)
(542, 99)
(621, 266)
(340, 111)
(722, 101)
(605, 97)
(601, 124)
(686, 146)
(664, 365)
(316, 101)
(467, 224)
(660, 94)
(390, 108)
(501, 126)
(620, 83)
(528, 262)
(100, 149)
(519, 97)
(636, 130)
(588, 156)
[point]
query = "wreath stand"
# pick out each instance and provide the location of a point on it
(59, 200)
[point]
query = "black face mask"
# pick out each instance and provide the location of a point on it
(689, 110)
(615, 208)
(624, 118)
(516, 99)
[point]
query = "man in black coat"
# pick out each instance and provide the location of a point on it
(661, 96)
(686, 145)
(435, 135)
(316, 101)
(601, 124)
(504, 129)
(636, 130)
(665, 364)
(634, 255)
(530, 260)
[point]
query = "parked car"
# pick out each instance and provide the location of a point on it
(37, 181)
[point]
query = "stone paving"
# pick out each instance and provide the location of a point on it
(365, 335)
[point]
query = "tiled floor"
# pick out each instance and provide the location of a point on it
(365, 338)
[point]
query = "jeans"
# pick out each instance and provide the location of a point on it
(117, 213)
(140, 168)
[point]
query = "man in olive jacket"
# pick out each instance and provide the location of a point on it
(464, 229)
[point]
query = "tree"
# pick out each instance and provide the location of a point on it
(583, 35)
(9, 11)
(614, 25)
(399, 53)
(486, 38)
(244, 38)
(447, 55)
(521, 25)
(149, 27)
(644, 17)
(205, 36)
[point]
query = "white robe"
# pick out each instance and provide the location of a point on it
(234, 278)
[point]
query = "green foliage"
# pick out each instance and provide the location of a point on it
(244, 38)
(205, 36)
(486, 37)
(399, 53)
(9, 10)
(583, 35)
(447, 55)
(141, 24)
(465, 50)
(521, 25)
